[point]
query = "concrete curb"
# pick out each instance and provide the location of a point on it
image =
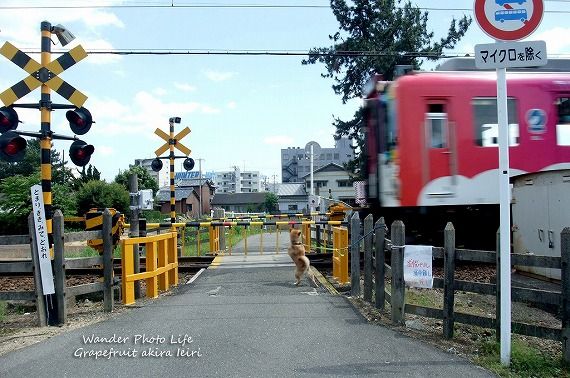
(195, 277)
(327, 285)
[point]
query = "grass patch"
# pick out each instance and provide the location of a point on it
(85, 252)
(421, 298)
(526, 361)
(3, 307)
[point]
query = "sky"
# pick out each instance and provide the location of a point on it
(242, 110)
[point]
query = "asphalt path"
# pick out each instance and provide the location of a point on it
(242, 322)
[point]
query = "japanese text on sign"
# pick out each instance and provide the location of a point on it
(42, 239)
(510, 54)
(418, 266)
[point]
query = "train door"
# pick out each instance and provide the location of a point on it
(562, 104)
(438, 150)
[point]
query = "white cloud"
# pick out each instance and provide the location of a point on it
(104, 150)
(159, 91)
(100, 44)
(279, 140)
(185, 87)
(219, 76)
(143, 115)
(22, 26)
(232, 105)
(556, 41)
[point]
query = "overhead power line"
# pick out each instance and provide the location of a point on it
(230, 6)
(412, 54)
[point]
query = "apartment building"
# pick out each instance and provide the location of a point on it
(296, 163)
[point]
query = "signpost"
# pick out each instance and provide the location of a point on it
(510, 54)
(506, 20)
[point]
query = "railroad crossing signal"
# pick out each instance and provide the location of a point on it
(80, 120)
(175, 141)
(8, 119)
(80, 153)
(42, 75)
(12, 147)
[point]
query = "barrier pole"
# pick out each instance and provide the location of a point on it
(198, 241)
(230, 240)
(261, 240)
(278, 231)
(161, 246)
(127, 268)
(245, 238)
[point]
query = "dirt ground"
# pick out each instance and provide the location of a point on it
(19, 327)
(467, 339)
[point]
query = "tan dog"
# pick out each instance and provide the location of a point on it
(297, 253)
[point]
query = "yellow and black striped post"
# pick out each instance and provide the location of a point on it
(45, 142)
(171, 143)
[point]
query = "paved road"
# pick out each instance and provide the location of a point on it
(243, 322)
(266, 243)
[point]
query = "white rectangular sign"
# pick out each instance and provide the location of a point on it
(511, 54)
(42, 239)
(418, 266)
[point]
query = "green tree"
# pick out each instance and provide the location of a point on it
(145, 180)
(85, 175)
(271, 203)
(99, 194)
(16, 204)
(31, 164)
(373, 37)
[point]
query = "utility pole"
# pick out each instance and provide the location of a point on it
(200, 181)
(274, 184)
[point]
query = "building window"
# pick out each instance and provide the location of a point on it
(485, 122)
(292, 207)
(343, 183)
(336, 156)
(563, 124)
(189, 207)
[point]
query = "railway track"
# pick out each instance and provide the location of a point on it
(186, 264)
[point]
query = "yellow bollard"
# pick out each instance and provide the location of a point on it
(127, 269)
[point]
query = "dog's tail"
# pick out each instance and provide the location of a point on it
(308, 270)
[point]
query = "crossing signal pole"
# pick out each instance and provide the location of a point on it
(172, 141)
(44, 74)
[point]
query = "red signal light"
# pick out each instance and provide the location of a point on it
(8, 119)
(80, 120)
(12, 147)
(80, 153)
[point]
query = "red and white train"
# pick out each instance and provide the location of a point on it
(431, 151)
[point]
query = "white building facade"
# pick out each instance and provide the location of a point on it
(237, 181)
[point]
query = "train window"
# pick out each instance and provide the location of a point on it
(436, 124)
(485, 122)
(563, 124)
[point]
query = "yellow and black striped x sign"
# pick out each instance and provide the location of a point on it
(176, 141)
(42, 75)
